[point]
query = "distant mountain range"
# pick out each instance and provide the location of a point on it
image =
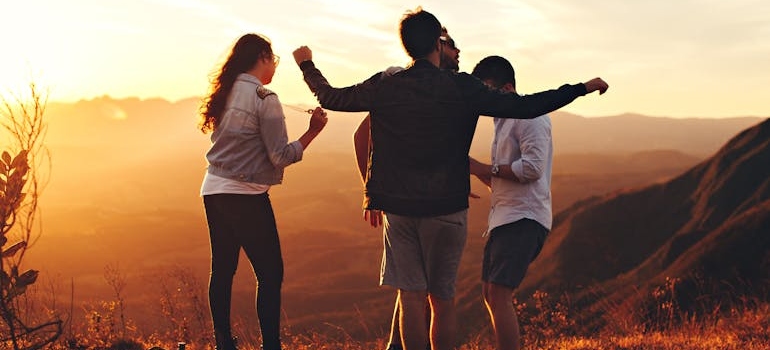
(630, 133)
(633, 133)
(108, 121)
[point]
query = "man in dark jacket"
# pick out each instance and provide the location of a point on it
(450, 59)
(422, 125)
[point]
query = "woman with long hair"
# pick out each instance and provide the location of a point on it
(250, 149)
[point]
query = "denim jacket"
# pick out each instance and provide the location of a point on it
(250, 143)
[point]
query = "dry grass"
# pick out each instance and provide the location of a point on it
(740, 328)
(547, 323)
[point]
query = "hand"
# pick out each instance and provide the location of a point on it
(486, 179)
(318, 120)
(373, 216)
(302, 54)
(596, 84)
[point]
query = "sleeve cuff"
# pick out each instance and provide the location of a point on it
(580, 87)
(299, 150)
(309, 64)
(518, 169)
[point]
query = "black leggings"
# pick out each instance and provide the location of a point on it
(245, 221)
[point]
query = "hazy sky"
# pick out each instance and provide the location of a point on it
(682, 58)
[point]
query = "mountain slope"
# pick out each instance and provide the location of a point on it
(708, 228)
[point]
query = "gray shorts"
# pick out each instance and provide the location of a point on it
(510, 249)
(423, 253)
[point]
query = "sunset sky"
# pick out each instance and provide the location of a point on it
(684, 58)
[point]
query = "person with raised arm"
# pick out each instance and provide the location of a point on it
(362, 144)
(422, 125)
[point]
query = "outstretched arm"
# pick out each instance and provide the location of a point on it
(495, 103)
(355, 98)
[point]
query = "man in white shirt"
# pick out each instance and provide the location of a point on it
(520, 216)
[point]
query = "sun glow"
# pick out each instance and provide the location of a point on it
(32, 54)
(83, 49)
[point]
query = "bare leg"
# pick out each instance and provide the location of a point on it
(414, 334)
(444, 323)
(395, 332)
(499, 302)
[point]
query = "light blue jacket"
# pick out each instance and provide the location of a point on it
(250, 143)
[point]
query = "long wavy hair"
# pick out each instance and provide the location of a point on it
(245, 53)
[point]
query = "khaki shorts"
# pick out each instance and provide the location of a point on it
(423, 253)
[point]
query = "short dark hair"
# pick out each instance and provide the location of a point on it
(496, 69)
(420, 31)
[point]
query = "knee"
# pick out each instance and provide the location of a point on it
(223, 269)
(270, 278)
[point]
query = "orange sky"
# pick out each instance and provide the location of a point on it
(681, 59)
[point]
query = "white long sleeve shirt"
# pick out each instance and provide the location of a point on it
(527, 147)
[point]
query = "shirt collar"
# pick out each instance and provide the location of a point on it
(423, 63)
(250, 78)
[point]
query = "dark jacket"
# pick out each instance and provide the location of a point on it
(423, 120)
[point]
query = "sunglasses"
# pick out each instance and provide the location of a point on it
(448, 41)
